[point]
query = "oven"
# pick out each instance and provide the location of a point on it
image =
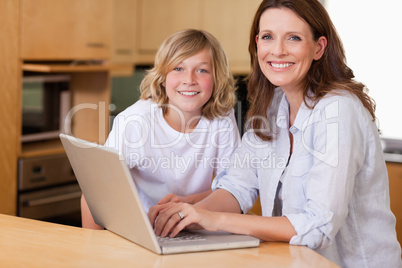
(48, 190)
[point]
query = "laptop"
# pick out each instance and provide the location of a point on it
(114, 202)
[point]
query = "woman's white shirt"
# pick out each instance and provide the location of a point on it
(335, 192)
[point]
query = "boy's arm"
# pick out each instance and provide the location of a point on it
(86, 216)
(190, 199)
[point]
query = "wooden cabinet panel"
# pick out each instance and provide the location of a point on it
(10, 77)
(395, 189)
(230, 22)
(90, 99)
(66, 29)
(124, 31)
(160, 18)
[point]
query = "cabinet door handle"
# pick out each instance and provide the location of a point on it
(52, 199)
(147, 51)
(96, 45)
(123, 51)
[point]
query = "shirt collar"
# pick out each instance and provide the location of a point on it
(303, 114)
(282, 119)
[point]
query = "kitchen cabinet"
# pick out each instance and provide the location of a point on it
(45, 37)
(228, 20)
(72, 37)
(395, 188)
(10, 77)
(124, 31)
(157, 19)
(66, 29)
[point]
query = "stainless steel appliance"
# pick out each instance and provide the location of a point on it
(48, 190)
(46, 102)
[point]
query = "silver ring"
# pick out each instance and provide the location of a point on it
(181, 215)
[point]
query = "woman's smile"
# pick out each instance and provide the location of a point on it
(279, 65)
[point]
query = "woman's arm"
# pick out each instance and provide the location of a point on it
(220, 201)
(264, 228)
(86, 216)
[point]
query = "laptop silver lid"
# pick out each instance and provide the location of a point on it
(109, 190)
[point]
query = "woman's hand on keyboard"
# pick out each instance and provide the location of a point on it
(167, 221)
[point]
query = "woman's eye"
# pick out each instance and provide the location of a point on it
(266, 37)
(178, 69)
(295, 38)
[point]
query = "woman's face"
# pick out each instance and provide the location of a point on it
(285, 48)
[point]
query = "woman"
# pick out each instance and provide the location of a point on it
(312, 152)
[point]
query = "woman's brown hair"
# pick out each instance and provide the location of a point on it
(328, 74)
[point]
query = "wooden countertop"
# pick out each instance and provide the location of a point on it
(31, 243)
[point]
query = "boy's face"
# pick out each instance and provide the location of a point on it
(190, 84)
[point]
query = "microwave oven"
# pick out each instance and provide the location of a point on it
(45, 105)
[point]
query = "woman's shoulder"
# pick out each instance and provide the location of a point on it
(344, 105)
(341, 98)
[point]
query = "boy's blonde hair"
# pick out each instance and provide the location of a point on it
(175, 49)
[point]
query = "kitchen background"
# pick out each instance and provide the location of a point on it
(104, 47)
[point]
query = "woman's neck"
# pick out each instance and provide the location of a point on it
(295, 99)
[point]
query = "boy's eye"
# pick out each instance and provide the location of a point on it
(203, 71)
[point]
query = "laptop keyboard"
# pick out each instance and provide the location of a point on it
(182, 236)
